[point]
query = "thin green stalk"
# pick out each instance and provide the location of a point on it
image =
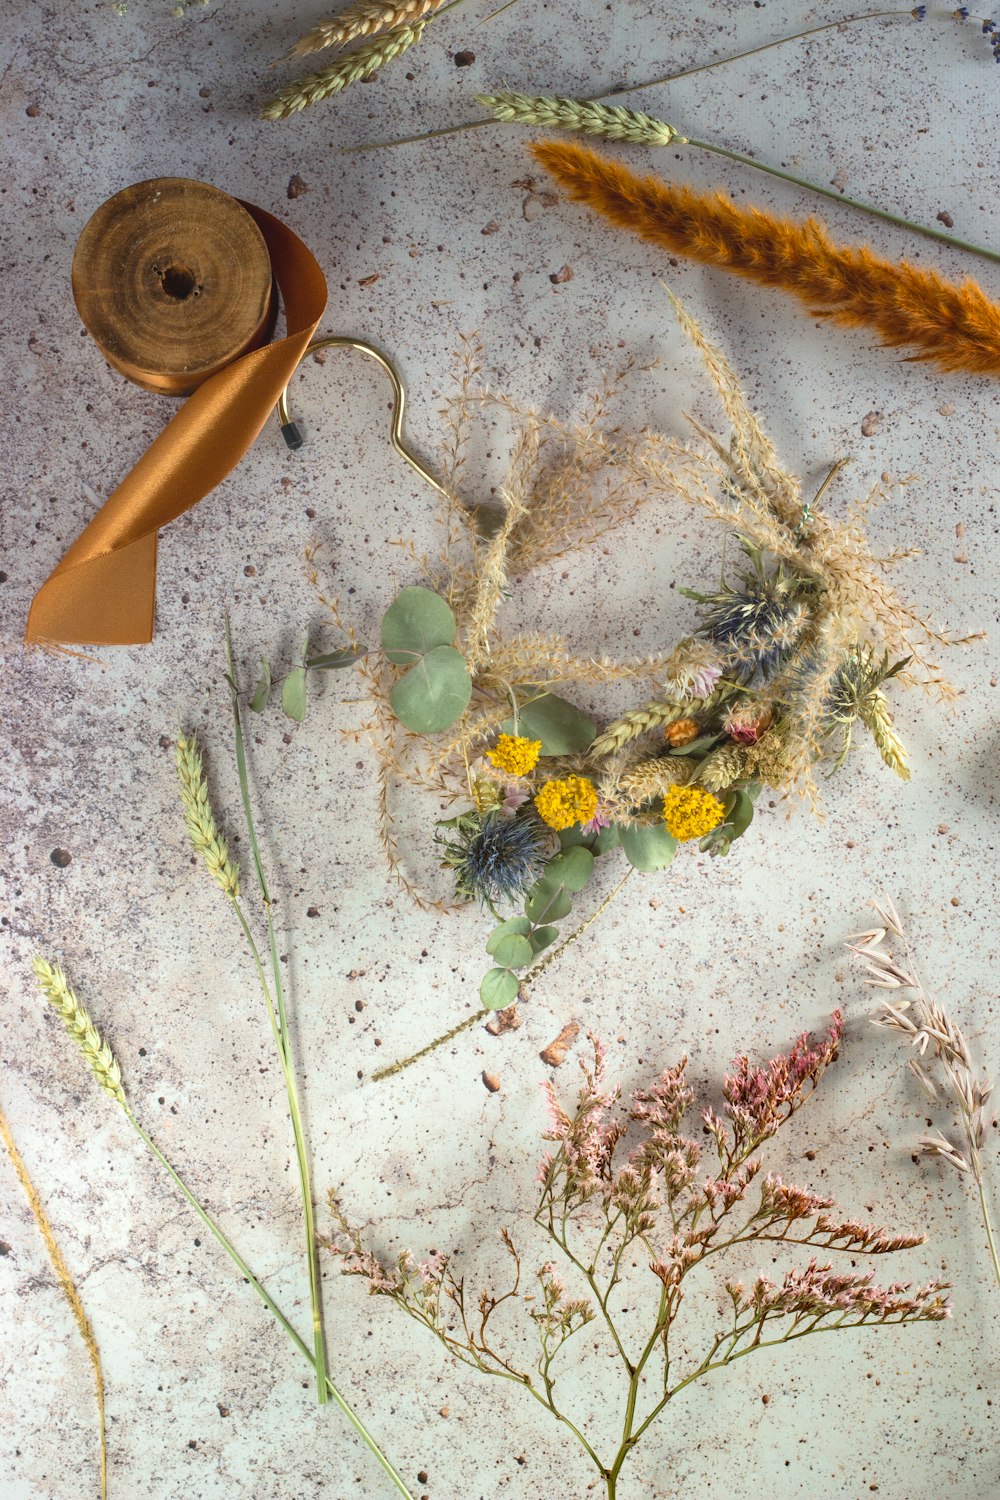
(633, 88)
(836, 197)
(329, 1388)
(279, 1026)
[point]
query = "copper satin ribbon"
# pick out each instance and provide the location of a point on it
(104, 590)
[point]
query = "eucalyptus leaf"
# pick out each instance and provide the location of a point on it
(607, 839)
(435, 693)
(739, 813)
(499, 989)
(569, 838)
(648, 849)
(542, 937)
(332, 660)
(262, 688)
(548, 902)
(700, 746)
(562, 728)
(573, 868)
(513, 951)
(416, 621)
(514, 926)
(293, 694)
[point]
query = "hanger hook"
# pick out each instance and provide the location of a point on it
(293, 437)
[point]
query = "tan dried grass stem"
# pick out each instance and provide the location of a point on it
(68, 1286)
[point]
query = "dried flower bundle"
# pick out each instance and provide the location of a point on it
(789, 655)
(954, 327)
(941, 1061)
(602, 1209)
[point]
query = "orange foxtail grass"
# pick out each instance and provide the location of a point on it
(957, 328)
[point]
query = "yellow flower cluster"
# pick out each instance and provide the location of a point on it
(515, 754)
(560, 804)
(690, 812)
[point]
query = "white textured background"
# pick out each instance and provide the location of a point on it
(206, 1398)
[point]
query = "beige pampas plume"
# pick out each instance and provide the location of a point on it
(954, 327)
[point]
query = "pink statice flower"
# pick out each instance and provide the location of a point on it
(597, 822)
(515, 796)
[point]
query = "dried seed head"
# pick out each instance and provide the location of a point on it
(203, 831)
(97, 1054)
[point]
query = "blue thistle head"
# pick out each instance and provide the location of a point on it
(495, 858)
(757, 621)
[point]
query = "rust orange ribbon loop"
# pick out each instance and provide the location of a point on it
(103, 592)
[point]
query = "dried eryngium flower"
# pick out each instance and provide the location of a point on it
(658, 1207)
(944, 1065)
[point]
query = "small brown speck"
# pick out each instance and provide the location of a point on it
(61, 858)
(313, 911)
(955, 901)
(765, 1400)
(810, 1156)
(564, 274)
(223, 1410)
(32, 110)
(942, 828)
(422, 1477)
(491, 227)
(464, 59)
(871, 424)
(492, 1083)
(369, 280)
(296, 186)
(946, 219)
(443, 1412)
(249, 571)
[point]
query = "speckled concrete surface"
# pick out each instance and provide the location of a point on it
(205, 1397)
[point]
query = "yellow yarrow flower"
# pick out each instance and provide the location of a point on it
(690, 812)
(515, 754)
(560, 804)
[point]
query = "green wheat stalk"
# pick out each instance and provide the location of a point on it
(101, 1061)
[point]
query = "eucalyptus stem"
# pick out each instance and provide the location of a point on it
(330, 1390)
(279, 1025)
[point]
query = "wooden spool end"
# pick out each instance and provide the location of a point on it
(173, 281)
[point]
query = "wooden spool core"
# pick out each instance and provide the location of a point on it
(173, 280)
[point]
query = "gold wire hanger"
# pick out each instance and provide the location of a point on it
(293, 437)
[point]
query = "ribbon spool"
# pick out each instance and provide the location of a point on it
(175, 282)
(172, 280)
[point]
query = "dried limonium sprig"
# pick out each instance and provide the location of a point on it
(629, 1185)
(791, 654)
(940, 1060)
(102, 1063)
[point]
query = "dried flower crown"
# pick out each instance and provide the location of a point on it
(791, 652)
